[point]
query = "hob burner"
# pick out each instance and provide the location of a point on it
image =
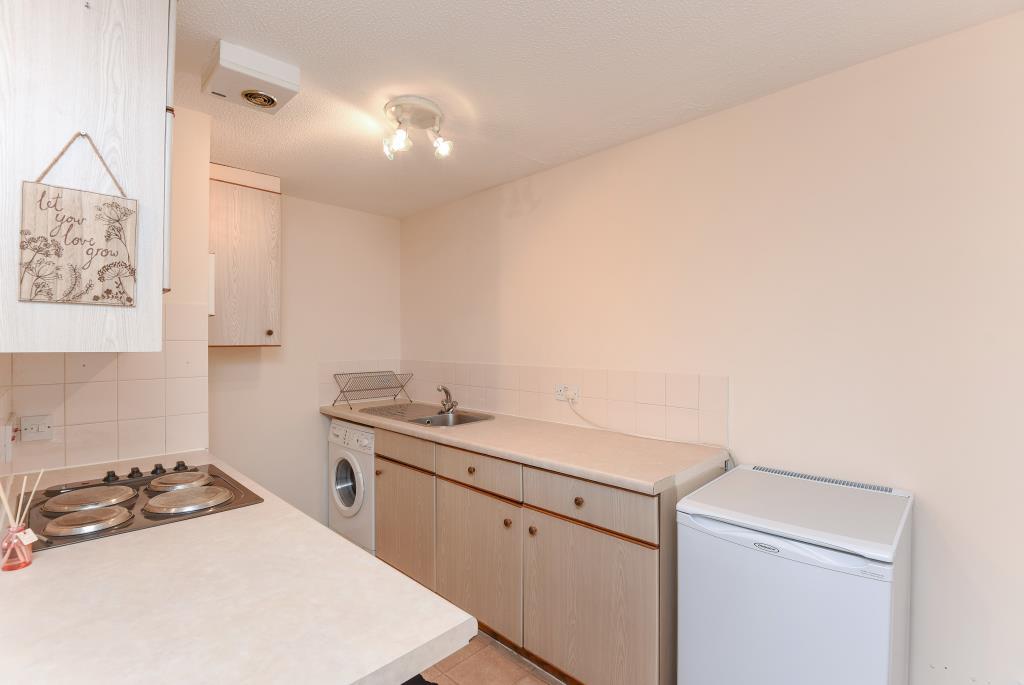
(89, 498)
(188, 500)
(87, 521)
(180, 481)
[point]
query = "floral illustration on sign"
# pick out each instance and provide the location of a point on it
(114, 215)
(77, 247)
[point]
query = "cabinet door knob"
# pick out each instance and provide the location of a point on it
(508, 523)
(378, 472)
(533, 530)
(578, 501)
(472, 470)
(270, 331)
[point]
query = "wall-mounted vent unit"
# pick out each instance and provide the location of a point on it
(246, 77)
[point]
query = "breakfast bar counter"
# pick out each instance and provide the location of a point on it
(258, 594)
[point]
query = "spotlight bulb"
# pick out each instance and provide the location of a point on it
(400, 141)
(442, 146)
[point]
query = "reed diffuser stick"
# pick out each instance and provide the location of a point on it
(21, 501)
(24, 514)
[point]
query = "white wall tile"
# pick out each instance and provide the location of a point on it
(39, 368)
(595, 383)
(595, 409)
(134, 366)
(5, 369)
(44, 454)
(446, 373)
(714, 394)
(464, 374)
(650, 420)
(186, 321)
(682, 390)
(90, 402)
(141, 399)
(187, 432)
(714, 428)
(140, 438)
(622, 386)
(531, 379)
(622, 416)
(326, 392)
(476, 397)
(38, 400)
(189, 396)
(186, 359)
(91, 443)
(505, 377)
(531, 404)
(501, 400)
(82, 367)
(650, 388)
(682, 424)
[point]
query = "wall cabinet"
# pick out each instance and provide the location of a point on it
(404, 514)
(101, 67)
(590, 601)
(480, 557)
(245, 236)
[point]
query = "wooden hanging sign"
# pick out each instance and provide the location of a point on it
(77, 247)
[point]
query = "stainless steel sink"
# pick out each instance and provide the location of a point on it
(456, 419)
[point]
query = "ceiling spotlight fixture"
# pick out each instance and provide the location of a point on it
(412, 111)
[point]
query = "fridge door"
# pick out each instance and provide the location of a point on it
(754, 608)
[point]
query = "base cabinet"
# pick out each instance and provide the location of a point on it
(590, 602)
(480, 557)
(405, 519)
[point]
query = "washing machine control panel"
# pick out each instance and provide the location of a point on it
(353, 438)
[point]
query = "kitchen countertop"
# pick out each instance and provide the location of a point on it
(259, 594)
(644, 465)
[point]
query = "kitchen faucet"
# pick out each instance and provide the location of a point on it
(447, 404)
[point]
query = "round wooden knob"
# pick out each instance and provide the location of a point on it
(270, 331)
(578, 501)
(472, 470)
(378, 472)
(533, 530)
(508, 523)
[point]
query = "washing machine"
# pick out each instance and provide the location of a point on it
(350, 481)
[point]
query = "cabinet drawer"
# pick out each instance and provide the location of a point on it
(501, 477)
(408, 450)
(621, 511)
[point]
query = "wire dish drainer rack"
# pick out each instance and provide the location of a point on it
(371, 385)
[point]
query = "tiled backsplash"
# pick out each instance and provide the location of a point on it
(106, 405)
(675, 406)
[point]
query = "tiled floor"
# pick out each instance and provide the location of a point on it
(484, 661)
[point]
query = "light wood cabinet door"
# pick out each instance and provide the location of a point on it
(245, 235)
(480, 557)
(99, 67)
(590, 602)
(405, 519)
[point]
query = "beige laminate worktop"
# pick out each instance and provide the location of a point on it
(640, 464)
(259, 594)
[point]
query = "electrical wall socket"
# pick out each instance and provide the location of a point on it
(564, 393)
(36, 428)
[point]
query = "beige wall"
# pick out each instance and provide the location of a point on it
(848, 252)
(340, 312)
(130, 405)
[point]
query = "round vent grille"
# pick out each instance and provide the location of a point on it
(259, 98)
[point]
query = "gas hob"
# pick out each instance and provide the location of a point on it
(87, 510)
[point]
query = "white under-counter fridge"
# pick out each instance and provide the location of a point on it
(791, 579)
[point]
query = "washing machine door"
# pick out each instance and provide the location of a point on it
(347, 489)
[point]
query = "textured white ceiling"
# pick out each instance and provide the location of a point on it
(525, 84)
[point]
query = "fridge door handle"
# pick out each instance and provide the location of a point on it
(790, 549)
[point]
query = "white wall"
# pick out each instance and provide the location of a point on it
(131, 405)
(340, 302)
(848, 252)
